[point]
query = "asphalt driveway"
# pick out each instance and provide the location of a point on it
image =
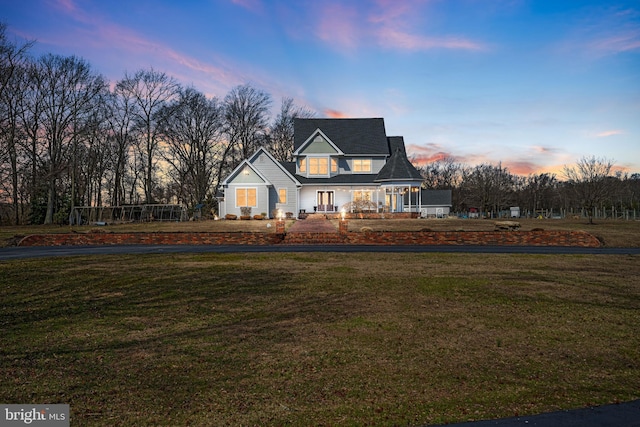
(52, 251)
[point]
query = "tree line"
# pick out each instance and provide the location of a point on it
(588, 188)
(69, 137)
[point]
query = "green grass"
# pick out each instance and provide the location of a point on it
(318, 339)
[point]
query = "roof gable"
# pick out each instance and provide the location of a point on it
(264, 152)
(318, 143)
(350, 136)
(245, 173)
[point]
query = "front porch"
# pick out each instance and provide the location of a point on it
(377, 200)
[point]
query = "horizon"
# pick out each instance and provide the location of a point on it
(531, 85)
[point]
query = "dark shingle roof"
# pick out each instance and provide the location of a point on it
(436, 197)
(396, 142)
(351, 136)
(398, 168)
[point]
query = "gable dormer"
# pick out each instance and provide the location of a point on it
(318, 156)
(318, 143)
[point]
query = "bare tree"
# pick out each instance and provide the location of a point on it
(13, 62)
(31, 117)
(11, 56)
(488, 187)
(192, 129)
(11, 138)
(281, 131)
(589, 182)
(68, 89)
(441, 174)
(246, 114)
(150, 90)
(96, 151)
(120, 118)
(539, 192)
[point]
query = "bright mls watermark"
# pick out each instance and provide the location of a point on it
(36, 415)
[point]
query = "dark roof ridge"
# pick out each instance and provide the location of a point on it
(398, 168)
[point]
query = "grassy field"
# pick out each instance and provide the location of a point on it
(318, 339)
(613, 233)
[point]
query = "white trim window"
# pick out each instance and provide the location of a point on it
(282, 195)
(246, 197)
(362, 165)
(362, 195)
(318, 166)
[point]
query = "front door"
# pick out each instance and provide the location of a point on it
(325, 201)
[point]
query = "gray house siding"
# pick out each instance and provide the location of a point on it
(279, 180)
(262, 198)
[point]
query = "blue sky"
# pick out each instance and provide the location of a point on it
(532, 84)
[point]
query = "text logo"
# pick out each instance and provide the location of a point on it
(34, 415)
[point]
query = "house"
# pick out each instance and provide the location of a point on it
(339, 164)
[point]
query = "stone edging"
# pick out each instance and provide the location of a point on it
(498, 238)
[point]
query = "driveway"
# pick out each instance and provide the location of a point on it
(620, 415)
(53, 251)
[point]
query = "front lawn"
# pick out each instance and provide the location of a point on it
(319, 338)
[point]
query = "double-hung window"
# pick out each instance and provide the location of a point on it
(362, 165)
(246, 197)
(282, 195)
(318, 165)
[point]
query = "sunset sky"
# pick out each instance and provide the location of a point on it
(533, 84)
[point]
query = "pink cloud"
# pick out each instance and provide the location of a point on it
(427, 153)
(338, 25)
(424, 154)
(251, 5)
(347, 27)
(390, 37)
(104, 36)
(609, 133)
(623, 42)
(335, 114)
(522, 167)
(544, 150)
(66, 5)
(605, 32)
